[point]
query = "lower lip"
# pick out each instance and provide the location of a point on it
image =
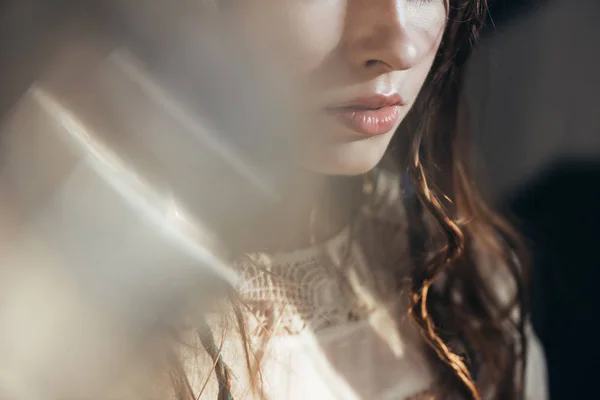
(369, 122)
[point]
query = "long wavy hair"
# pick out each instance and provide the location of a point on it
(474, 333)
(471, 326)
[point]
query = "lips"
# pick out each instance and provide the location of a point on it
(369, 116)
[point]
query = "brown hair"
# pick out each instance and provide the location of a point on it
(476, 337)
(458, 308)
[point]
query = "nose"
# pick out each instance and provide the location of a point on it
(376, 37)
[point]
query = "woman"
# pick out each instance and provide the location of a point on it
(386, 224)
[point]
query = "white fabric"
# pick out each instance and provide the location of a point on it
(535, 375)
(316, 352)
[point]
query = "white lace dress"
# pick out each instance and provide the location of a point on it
(327, 343)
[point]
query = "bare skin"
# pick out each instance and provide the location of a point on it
(356, 67)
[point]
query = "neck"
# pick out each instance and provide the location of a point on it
(314, 209)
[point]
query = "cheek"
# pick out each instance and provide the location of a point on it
(426, 25)
(428, 16)
(297, 36)
(311, 31)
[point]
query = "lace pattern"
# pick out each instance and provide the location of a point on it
(298, 291)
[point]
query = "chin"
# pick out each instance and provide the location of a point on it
(347, 159)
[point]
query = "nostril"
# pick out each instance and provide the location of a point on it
(371, 63)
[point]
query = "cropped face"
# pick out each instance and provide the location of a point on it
(354, 68)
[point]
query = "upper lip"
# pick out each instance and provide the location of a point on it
(371, 102)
